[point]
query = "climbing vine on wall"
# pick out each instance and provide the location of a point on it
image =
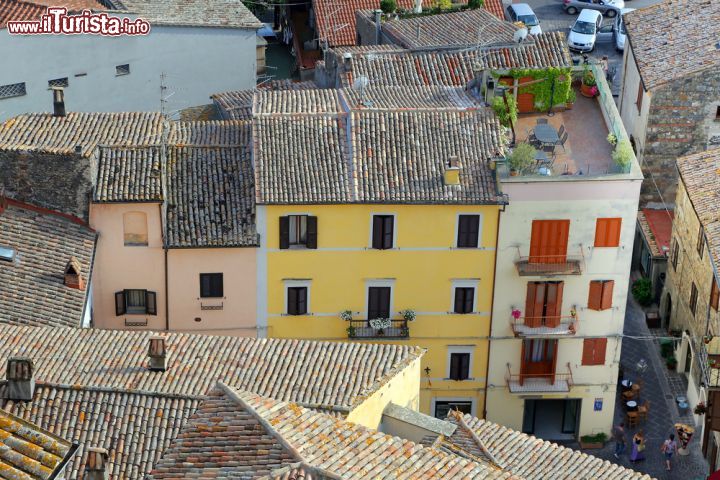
(543, 91)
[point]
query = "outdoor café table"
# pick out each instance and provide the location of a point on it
(626, 384)
(546, 134)
(632, 406)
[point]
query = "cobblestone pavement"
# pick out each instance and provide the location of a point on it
(660, 388)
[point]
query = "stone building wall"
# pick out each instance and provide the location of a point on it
(683, 119)
(54, 181)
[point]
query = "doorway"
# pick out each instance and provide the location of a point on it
(668, 311)
(538, 359)
(556, 420)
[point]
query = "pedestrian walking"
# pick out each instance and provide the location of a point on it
(638, 446)
(619, 437)
(669, 447)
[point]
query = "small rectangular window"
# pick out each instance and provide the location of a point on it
(122, 69)
(211, 285)
(379, 302)
(464, 299)
(594, 351)
(59, 82)
(12, 90)
(297, 300)
(459, 366)
(383, 232)
(714, 294)
(639, 99)
(135, 302)
(693, 298)
(700, 247)
(468, 231)
(607, 232)
(442, 408)
(298, 231)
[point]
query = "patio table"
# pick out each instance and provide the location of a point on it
(546, 133)
(626, 384)
(632, 406)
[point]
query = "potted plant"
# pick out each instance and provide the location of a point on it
(700, 409)
(623, 154)
(707, 339)
(589, 85)
(388, 6)
(612, 138)
(506, 113)
(521, 158)
(350, 331)
(346, 315)
(380, 324)
(408, 315)
(642, 291)
(593, 441)
(570, 99)
(671, 363)
(516, 313)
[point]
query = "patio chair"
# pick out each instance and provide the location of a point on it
(542, 121)
(549, 149)
(636, 388)
(643, 410)
(632, 419)
(561, 130)
(629, 395)
(562, 140)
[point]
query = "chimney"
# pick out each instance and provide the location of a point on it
(78, 149)
(58, 102)
(452, 172)
(347, 61)
(378, 26)
(20, 380)
(157, 354)
(73, 275)
(418, 6)
(96, 467)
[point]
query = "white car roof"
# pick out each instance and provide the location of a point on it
(626, 10)
(587, 15)
(522, 9)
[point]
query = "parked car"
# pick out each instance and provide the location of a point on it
(521, 12)
(611, 8)
(619, 30)
(587, 30)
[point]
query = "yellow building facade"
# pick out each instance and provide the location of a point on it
(422, 269)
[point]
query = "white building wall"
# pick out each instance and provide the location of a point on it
(197, 62)
(634, 119)
(582, 202)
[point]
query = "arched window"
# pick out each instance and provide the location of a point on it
(135, 229)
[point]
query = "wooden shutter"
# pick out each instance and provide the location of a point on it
(468, 230)
(594, 351)
(150, 302)
(378, 302)
(119, 303)
(377, 235)
(607, 232)
(469, 294)
(301, 306)
(311, 232)
(595, 296)
(714, 294)
(549, 240)
(693, 298)
(284, 232)
(454, 366)
(553, 306)
(607, 293)
(675, 254)
(387, 231)
(639, 99)
(700, 242)
(385, 302)
(204, 285)
(599, 350)
(714, 410)
(531, 318)
(292, 301)
(459, 300)
(464, 366)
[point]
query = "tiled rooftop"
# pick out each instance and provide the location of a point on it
(29, 453)
(452, 68)
(32, 290)
(671, 39)
(194, 13)
(700, 173)
(656, 227)
(237, 104)
(335, 21)
(129, 174)
(18, 10)
(463, 28)
(414, 97)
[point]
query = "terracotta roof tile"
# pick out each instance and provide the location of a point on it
(195, 13)
(17, 11)
(335, 20)
(656, 227)
(495, 7)
(33, 290)
(237, 104)
(671, 40)
(129, 174)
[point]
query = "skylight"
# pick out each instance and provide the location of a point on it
(7, 254)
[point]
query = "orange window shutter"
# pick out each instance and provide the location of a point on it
(607, 232)
(530, 303)
(714, 294)
(553, 308)
(607, 293)
(535, 240)
(600, 232)
(588, 351)
(595, 296)
(600, 347)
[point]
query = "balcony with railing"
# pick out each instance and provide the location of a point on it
(539, 382)
(549, 265)
(360, 329)
(544, 326)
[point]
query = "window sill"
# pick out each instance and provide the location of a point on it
(135, 245)
(463, 380)
(309, 314)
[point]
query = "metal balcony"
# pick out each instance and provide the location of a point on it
(359, 329)
(549, 265)
(544, 326)
(539, 383)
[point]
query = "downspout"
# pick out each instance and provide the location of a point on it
(167, 300)
(492, 311)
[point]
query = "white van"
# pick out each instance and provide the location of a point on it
(587, 30)
(620, 29)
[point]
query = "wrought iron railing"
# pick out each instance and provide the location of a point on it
(529, 326)
(539, 381)
(363, 329)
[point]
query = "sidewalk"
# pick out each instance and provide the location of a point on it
(663, 409)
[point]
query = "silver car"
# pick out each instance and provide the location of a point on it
(611, 8)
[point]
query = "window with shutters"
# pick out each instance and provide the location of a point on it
(700, 247)
(443, 407)
(379, 302)
(464, 299)
(714, 294)
(607, 232)
(543, 304)
(675, 255)
(135, 302)
(594, 351)
(135, 229)
(211, 285)
(459, 362)
(693, 298)
(297, 300)
(639, 98)
(383, 232)
(549, 241)
(600, 296)
(468, 235)
(298, 231)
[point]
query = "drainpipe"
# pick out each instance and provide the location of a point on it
(492, 311)
(167, 300)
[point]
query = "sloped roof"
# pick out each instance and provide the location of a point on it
(129, 174)
(462, 28)
(18, 11)
(700, 173)
(32, 290)
(411, 97)
(29, 452)
(656, 228)
(194, 13)
(453, 67)
(673, 39)
(335, 21)
(327, 373)
(289, 433)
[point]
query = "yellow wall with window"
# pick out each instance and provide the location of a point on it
(423, 267)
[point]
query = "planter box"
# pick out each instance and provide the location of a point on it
(652, 319)
(591, 445)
